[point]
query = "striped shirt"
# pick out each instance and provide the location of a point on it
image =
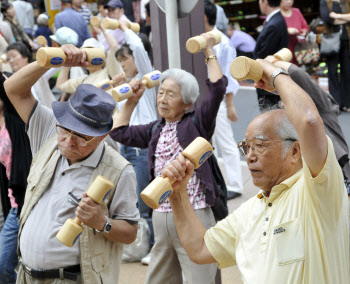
(168, 148)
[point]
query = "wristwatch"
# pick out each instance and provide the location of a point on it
(275, 73)
(107, 227)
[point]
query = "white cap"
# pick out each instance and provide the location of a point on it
(65, 35)
(91, 42)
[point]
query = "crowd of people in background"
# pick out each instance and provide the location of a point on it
(59, 129)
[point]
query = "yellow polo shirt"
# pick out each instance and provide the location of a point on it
(300, 234)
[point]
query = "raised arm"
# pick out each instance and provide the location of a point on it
(123, 116)
(188, 226)
(302, 113)
(18, 86)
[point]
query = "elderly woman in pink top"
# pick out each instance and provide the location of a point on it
(296, 24)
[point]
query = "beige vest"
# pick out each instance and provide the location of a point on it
(100, 258)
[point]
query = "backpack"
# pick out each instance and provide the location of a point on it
(220, 209)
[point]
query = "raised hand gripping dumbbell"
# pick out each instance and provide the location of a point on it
(114, 24)
(161, 188)
(107, 84)
(244, 68)
(124, 91)
(55, 56)
(197, 43)
(72, 229)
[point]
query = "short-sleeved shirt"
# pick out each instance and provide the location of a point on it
(39, 247)
(300, 234)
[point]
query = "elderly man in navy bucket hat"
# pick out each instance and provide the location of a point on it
(69, 153)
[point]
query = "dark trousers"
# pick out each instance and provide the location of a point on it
(339, 84)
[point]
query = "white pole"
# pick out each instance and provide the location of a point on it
(172, 29)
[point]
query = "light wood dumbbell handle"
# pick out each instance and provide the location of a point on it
(197, 43)
(161, 188)
(114, 24)
(55, 56)
(244, 68)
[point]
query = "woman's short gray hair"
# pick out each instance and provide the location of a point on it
(187, 82)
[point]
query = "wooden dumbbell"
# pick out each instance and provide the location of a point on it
(197, 43)
(3, 58)
(72, 229)
(113, 24)
(161, 188)
(244, 68)
(55, 56)
(124, 91)
(107, 84)
(41, 40)
(95, 21)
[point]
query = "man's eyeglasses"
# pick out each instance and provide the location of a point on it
(79, 139)
(258, 146)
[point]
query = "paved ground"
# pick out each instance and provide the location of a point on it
(247, 108)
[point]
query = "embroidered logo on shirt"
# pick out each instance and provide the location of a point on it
(279, 230)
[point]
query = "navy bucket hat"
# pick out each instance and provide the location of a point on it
(89, 111)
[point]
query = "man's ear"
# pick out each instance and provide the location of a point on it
(296, 153)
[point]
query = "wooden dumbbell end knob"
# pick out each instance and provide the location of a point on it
(243, 68)
(50, 57)
(3, 58)
(195, 44)
(95, 56)
(95, 21)
(41, 40)
(69, 232)
(198, 151)
(135, 27)
(151, 80)
(157, 192)
(216, 35)
(99, 189)
(284, 55)
(122, 92)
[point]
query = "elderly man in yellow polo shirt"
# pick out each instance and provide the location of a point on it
(296, 229)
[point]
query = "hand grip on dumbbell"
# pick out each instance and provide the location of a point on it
(197, 43)
(55, 56)
(107, 84)
(244, 68)
(71, 229)
(114, 24)
(161, 188)
(124, 91)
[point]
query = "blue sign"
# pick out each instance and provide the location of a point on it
(106, 194)
(155, 76)
(97, 61)
(205, 157)
(164, 196)
(105, 86)
(77, 237)
(56, 60)
(124, 90)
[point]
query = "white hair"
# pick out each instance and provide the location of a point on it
(186, 81)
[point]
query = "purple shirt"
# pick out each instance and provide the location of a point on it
(242, 41)
(141, 135)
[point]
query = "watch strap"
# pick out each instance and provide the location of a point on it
(275, 73)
